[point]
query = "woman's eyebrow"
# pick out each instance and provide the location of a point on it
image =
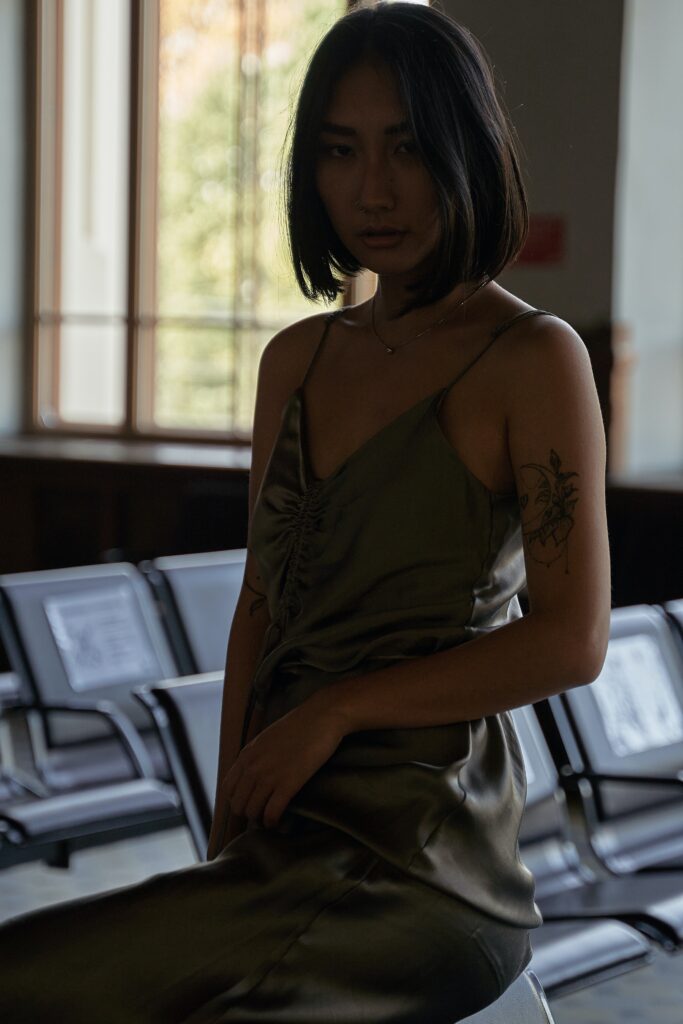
(345, 129)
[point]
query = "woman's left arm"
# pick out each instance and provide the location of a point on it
(557, 449)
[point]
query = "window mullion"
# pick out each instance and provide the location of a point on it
(134, 190)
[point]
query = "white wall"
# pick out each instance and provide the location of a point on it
(11, 211)
(648, 279)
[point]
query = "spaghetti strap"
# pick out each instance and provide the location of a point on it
(495, 334)
(329, 317)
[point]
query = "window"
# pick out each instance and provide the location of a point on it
(161, 268)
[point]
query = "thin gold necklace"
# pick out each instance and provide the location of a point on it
(438, 323)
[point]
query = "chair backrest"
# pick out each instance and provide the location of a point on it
(524, 1002)
(187, 715)
(89, 633)
(630, 719)
(198, 594)
(541, 774)
(545, 837)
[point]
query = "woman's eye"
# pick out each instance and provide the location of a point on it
(329, 149)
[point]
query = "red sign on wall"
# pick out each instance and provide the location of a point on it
(546, 240)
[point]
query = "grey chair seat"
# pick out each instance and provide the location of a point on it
(50, 818)
(68, 768)
(653, 903)
(523, 1002)
(568, 955)
(650, 841)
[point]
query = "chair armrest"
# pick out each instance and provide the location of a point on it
(8, 833)
(22, 780)
(121, 726)
(571, 774)
(10, 690)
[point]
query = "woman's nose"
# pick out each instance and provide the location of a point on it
(376, 186)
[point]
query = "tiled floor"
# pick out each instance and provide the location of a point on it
(650, 994)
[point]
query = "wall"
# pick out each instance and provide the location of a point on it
(11, 211)
(648, 280)
(558, 68)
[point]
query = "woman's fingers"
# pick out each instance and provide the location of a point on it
(251, 796)
(273, 767)
(241, 790)
(236, 826)
(274, 809)
(260, 796)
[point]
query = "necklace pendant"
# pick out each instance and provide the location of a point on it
(389, 350)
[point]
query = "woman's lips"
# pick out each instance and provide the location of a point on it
(384, 241)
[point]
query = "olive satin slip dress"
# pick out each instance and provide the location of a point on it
(392, 890)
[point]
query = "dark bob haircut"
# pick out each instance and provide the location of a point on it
(462, 133)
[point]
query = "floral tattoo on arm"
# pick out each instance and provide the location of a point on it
(547, 502)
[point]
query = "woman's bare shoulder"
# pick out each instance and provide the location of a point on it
(528, 332)
(537, 349)
(546, 330)
(528, 344)
(286, 356)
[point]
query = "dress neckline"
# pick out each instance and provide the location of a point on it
(303, 436)
(302, 426)
(311, 480)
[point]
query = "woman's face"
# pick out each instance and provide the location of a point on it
(369, 173)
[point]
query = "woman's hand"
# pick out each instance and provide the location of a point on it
(274, 766)
(226, 826)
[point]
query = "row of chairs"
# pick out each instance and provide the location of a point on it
(602, 830)
(77, 642)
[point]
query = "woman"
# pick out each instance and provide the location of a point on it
(363, 863)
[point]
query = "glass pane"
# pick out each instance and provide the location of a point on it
(83, 260)
(227, 82)
(195, 380)
(94, 171)
(193, 371)
(91, 377)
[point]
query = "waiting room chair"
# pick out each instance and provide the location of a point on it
(567, 954)
(197, 595)
(621, 736)
(618, 742)
(79, 639)
(187, 715)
